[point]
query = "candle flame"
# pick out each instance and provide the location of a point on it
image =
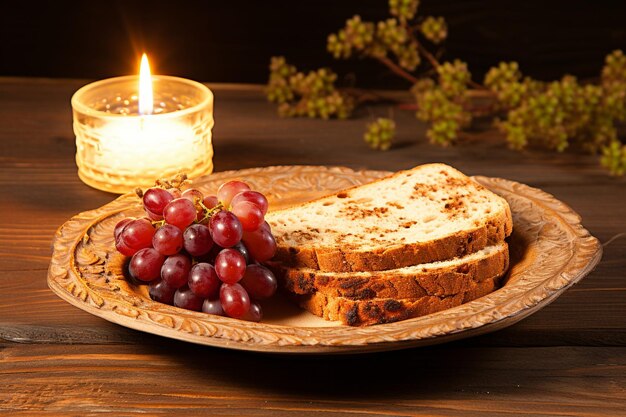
(146, 99)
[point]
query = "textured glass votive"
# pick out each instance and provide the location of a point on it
(117, 149)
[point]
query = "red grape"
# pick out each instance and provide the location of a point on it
(225, 229)
(175, 192)
(123, 249)
(180, 213)
(197, 240)
(128, 276)
(259, 281)
(254, 313)
(161, 292)
(195, 197)
(152, 216)
(235, 300)
(120, 226)
(260, 244)
(192, 195)
(155, 200)
(146, 264)
(210, 201)
(203, 280)
(244, 251)
(253, 197)
(266, 226)
(228, 190)
(168, 240)
(213, 307)
(175, 270)
(210, 257)
(137, 234)
(185, 298)
(230, 265)
(250, 216)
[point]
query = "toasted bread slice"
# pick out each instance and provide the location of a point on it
(387, 310)
(439, 279)
(427, 214)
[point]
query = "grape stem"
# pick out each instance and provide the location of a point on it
(158, 223)
(422, 50)
(477, 110)
(363, 96)
(430, 57)
(396, 69)
(435, 63)
(177, 182)
(209, 212)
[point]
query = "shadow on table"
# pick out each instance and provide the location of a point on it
(432, 370)
(375, 375)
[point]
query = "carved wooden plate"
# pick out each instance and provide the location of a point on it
(550, 251)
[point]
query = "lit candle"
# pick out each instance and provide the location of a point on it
(146, 98)
(131, 131)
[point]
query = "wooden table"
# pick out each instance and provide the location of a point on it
(568, 359)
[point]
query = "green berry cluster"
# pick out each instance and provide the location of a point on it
(502, 75)
(391, 36)
(508, 85)
(394, 42)
(552, 115)
(614, 85)
(356, 36)
(446, 116)
(614, 158)
(453, 78)
(313, 94)
(375, 40)
(614, 103)
(434, 29)
(379, 134)
(614, 70)
(279, 89)
(403, 9)
(444, 105)
(555, 114)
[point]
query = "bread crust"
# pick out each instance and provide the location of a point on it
(444, 281)
(495, 227)
(388, 310)
(338, 259)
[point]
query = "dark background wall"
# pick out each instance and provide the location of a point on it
(232, 41)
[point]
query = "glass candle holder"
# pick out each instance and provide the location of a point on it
(118, 149)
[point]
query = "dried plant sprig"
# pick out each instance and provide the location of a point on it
(551, 115)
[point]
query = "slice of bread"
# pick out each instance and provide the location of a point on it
(430, 213)
(387, 310)
(439, 279)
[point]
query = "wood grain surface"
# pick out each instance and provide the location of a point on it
(568, 359)
(445, 381)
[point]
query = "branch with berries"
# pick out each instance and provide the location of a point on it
(553, 115)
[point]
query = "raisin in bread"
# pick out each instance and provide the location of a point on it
(430, 213)
(439, 279)
(388, 310)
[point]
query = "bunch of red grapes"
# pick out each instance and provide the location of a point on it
(202, 253)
